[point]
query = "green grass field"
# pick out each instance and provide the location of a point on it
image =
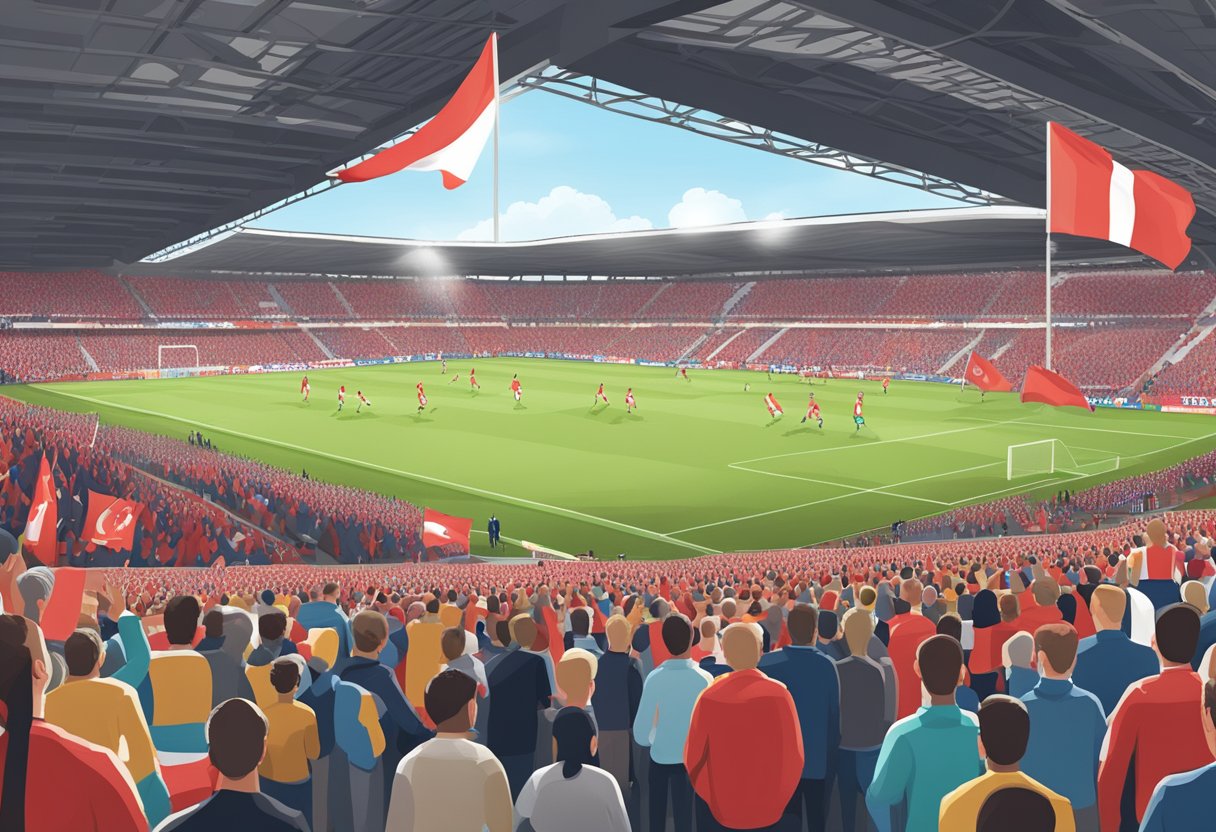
(698, 468)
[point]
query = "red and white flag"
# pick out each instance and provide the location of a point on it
(40, 527)
(774, 409)
(111, 521)
(440, 529)
(1092, 195)
(452, 141)
(983, 374)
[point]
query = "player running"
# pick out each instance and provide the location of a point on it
(858, 419)
(774, 408)
(443, 368)
(886, 382)
(473, 380)
(363, 400)
(630, 404)
(421, 398)
(454, 379)
(516, 388)
(812, 411)
(305, 388)
(684, 373)
(599, 394)
(341, 397)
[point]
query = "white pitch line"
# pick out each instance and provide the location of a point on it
(856, 488)
(1080, 427)
(455, 486)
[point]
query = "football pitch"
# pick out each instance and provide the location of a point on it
(698, 468)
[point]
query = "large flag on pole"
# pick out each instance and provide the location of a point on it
(439, 529)
(1042, 385)
(40, 529)
(983, 374)
(452, 141)
(1092, 195)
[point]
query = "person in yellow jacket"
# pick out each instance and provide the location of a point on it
(292, 741)
(425, 653)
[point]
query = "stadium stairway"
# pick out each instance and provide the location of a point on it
(320, 344)
(342, 300)
(722, 346)
(143, 304)
(280, 300)
(88, 359)
(642, 311)
(759, 352)
(954, 359)
(732, 302)
(695, 346)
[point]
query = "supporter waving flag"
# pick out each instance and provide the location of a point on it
(440, 529)
(111, 521)
(40, 534)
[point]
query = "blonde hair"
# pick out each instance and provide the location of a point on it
(1110, 600)
(617, 630)
(741, 646)
(858, 630)
(575, 672)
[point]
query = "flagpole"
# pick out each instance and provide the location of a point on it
(497, 117)
(1047, 229)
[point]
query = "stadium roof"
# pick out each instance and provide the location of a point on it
(993, 237)
(129, 125)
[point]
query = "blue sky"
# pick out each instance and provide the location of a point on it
(569, 168)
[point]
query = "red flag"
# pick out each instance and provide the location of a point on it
(983, 374)
(440, 529)
(1051, 388)
(1092, 195)
(452, 141)
(111, 521)
(40, 528)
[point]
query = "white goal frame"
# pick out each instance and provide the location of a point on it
(160, 353)
(1061, 460)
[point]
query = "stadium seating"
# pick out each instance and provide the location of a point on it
(898, 350)
(1152, 294)
(382, 300)
(1110, 358)
(39, 356)
(179, 297)
(1194, 375)
(348, 342)
(814, 298)
(691, 300)
(314, 299)
(82, 295)
(741, 348)
(138, 350)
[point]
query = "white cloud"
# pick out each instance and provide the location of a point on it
(702, 207)
(774, 216)
(562, 212)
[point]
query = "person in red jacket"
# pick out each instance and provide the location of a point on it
(1156, 721)
(40, 761)
(1044, 592)
(736, 789)
(908, 631)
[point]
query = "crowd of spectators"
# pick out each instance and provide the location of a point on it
(80, 295)
(30, 355)
(1195, 375)
(1141, 294)
(132, 350)
(194, 299)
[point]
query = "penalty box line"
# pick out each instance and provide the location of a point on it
(455, 486)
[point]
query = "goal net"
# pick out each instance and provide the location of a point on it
(176, 356)
(1051, 456)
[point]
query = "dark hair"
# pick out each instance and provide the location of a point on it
(1009, 607)
(1059, 642)
(1067, 604)
(17, 694)
(284, 675)
(829, 624)
(272, 625)
(181, 619)
(236, 737)
(213, 623)
(941, 659)
(492, 604)
(950, 625)
(369, 629)
(1004, 728)
(503, 630)
(329, 589)
(451, 642)
(572, 731)
(82, 650)
(447, 694)
(803, 623)
(1015, 809)
(432, 606)
(984, 611)
(677, 634)
(580, 621)
(1209, 699)
(1178, 632)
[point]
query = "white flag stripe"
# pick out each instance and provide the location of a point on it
(1122, 204)
(460, 157)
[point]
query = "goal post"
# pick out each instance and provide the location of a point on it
(162, 348)
(1051, 456)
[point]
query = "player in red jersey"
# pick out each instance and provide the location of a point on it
(630, 403)
(774, 408)
(421, 398)
(812, 411)
(886, 382)
(473, 379)
(858, 419)
(305, 388)
(516, 389)
(684, 372)
(599, 394)
(341, 396)
(363, 400)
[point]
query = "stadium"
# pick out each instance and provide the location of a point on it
(469, 414)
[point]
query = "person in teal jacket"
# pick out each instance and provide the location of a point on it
(932, 752)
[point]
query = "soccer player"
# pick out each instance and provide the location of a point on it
(443, 368)
(747, 387)
(421, 398)
(454, 379)
(599, 394)
(363, 400)
(305, 388)
(515, 387)
(812, 411)
(886, 382)
(774, 409)
(684, 372)
(341, 397)
(630, 404)
(473, 379)
(858, 419)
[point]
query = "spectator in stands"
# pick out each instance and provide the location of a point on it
(1045, 592)
(1067, 726)
(580, 628)
(908, 631)
(325, 612)
(107, 712)
(1157, 722)
(519, 691)
(272, 629)
(425, 651)
(576, 677)
(292, 741)
(867, 710)
(573, 793)
(985, 659)
(237, 740)
(450, 782)
(744, 791)
(180, 683)
(931, 753)
(811, 679)
(1109, 662)
(1004, 731)
(618, 693)
(662, 723)
(1018, 654)
(459, 646)
(1195, 594)
(227, 661)
(1183, 801)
